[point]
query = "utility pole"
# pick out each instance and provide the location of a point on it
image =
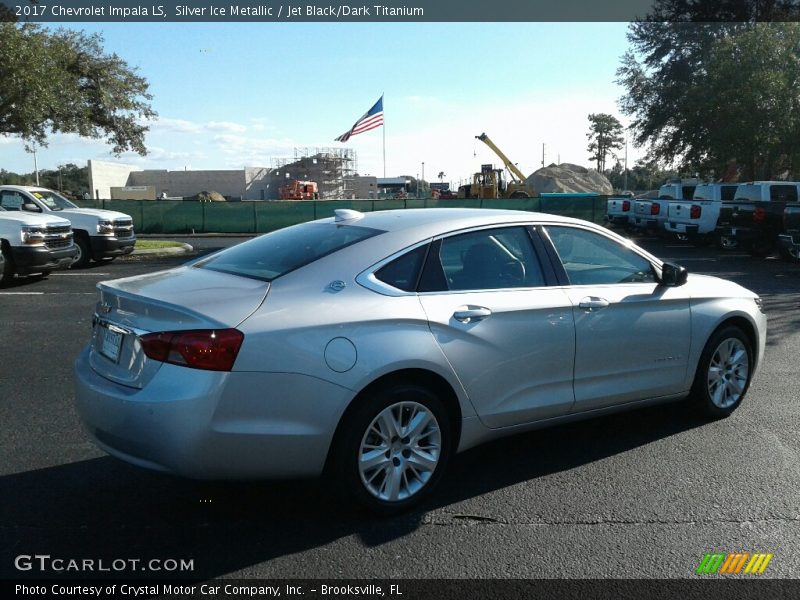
(35, 165)
(423, 175)
(625, 177)
(542, 154)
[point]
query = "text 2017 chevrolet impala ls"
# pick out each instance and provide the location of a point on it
(375, 345)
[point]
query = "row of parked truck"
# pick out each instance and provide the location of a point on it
(761, 217)
(41, 231)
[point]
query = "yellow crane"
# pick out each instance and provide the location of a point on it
(489, 183)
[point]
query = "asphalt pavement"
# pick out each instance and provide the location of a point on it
(638, 495)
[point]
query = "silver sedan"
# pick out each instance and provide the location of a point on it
(373, 346)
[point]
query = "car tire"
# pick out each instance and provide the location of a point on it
(392, 448)
(723, 373)
(790, 254)
(84, 254)
(727, 243)
(7, 273)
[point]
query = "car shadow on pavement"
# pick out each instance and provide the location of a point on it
(103, 508)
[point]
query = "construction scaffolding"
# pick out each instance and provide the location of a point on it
(333, 169)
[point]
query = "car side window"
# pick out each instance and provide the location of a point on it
(488, 259)
(786, 193)
(11, 200)
(593, 259)
(403, 272)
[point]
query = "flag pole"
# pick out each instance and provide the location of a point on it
(384, 138)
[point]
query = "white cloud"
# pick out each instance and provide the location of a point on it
(260, 124)
(227, 126)
(168, 125)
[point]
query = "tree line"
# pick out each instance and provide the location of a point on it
(711, 87)
(68, 178)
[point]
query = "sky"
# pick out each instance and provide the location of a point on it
(231, 95)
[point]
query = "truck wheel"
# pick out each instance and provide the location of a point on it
(84, 254)
(7, 272)
(790, 254)
(727, 243)
(392, 449)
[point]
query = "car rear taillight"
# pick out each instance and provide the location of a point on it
(759, 215)
(695, 211)
(209, 349)
(626, 205)
(655, 208)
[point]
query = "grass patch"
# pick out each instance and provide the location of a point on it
(156, 244)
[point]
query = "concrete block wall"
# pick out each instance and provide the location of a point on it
(104, 175)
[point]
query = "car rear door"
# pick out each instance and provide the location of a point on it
(505, 330)
(632, 334)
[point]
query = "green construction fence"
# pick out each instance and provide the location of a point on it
(175, 216)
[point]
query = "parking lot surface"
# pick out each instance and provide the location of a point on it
(641, 494)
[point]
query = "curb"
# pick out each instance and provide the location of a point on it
(171, 251)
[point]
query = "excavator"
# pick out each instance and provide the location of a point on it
(490, 183)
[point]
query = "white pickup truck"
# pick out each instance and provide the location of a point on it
(697, 218)
(652, 213)
(619, 210)
(101, 235)
(34, 244)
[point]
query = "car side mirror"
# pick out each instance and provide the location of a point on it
(673, 275)
(31, 207)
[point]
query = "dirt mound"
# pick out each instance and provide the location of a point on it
(570, 179)
(209, 197)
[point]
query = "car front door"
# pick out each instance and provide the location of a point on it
(632, 334)
(508, 335)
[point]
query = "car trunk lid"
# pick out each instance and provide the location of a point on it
(178, 299)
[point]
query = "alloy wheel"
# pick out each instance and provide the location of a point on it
(728, 373)
(400, 451)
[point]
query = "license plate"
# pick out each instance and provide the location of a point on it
(110, 344)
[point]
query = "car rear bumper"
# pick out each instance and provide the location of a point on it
(674, 227)
(36, 259)
(212, 425)
(646, 222)
(618, 219)
(107, 246)
(742, 234)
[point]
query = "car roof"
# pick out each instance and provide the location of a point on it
(445, 219)
(26, 188)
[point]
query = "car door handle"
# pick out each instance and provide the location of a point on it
(471, 314)
(591, 303)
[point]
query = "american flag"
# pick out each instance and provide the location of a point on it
(372, 119)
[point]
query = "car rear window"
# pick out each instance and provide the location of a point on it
(280, 252)
(728, 192)
(748, 192)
